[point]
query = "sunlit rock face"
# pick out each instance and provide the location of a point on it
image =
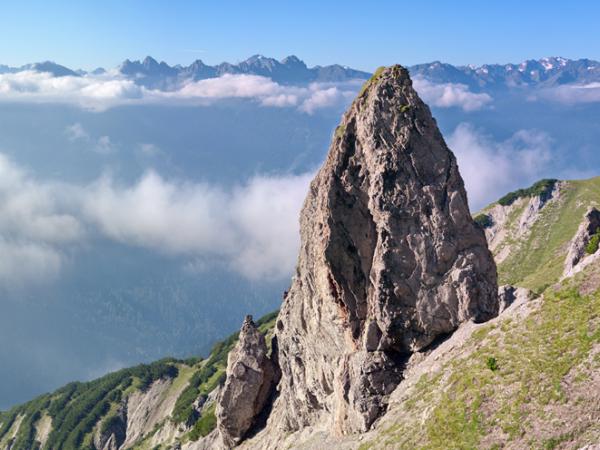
(390, 260)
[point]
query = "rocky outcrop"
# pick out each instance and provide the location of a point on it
(511, 222)
(390, 260)
(144, 410)
(577, 247)
(251, 376)
(112, 431)
(509, 295)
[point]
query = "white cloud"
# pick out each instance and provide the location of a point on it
(76, 132)
(26, 262)
(322, 98)
(102, 145)
(265, 213)
(570, 93)
(446, 95)
(100, 92)
(35, 226)
(491, 169)
(252, 228)
(92, 92)
(34, 211)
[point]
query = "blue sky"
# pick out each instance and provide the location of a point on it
(363, 34)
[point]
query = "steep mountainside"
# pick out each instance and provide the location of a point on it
(530, 231)
(392, 334)
(160, 405)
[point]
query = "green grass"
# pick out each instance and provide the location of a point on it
(206, 423)
(592, 245)
(537, 260)
(339, 131)
(371, 80)
(470, 402)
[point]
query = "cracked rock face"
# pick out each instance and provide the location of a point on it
(390, 260)
(251, 376)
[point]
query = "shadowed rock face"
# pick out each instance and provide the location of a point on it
(390, 260)
(250, 381)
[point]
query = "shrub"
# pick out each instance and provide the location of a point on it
(491, 363)
(542, 188)
(205, 425)
(483, 220)
(592, 245)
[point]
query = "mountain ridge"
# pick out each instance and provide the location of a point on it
(544, 72)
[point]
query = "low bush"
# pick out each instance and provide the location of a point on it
(483, 220)
(592, 245)
(492, 364)
(541, 188)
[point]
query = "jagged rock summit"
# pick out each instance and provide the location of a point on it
(250, 380)
(390, 260)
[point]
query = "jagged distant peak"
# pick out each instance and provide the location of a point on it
(51, 67)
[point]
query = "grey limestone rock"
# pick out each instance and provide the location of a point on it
(390, 260)
(576, 251)
(251, 376)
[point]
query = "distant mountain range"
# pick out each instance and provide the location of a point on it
(160, 75)
(290, 70)
(545, 72)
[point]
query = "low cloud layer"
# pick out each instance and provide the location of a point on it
(447, 95)
(491, 168)
(570, 94)
(100, 92)
(251, 228)
(35, 226)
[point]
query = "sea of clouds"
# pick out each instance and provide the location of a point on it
(100, 92)
(250, 227)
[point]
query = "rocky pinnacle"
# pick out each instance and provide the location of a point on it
(250, 378)
(390, 260)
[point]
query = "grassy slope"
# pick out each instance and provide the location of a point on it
(78, 408)
(541, 395)
(536, 261)
(536, 398)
